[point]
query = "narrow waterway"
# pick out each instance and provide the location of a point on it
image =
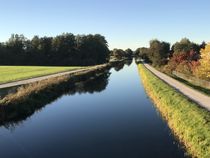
(109, 117)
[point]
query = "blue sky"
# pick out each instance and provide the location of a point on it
(124, 23)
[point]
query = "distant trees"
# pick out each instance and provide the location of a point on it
(157, 53)
(94, 48)
(128, 53)
(182, 57)
(185, 56)
(185, 45)
(65, 49)
(184, 62)
(14, 48)
(121, 54)
(143, 53)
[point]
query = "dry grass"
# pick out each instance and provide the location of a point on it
(24, 92)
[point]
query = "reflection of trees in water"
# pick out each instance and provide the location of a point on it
(128, 62)
(120, 65)
(6, 91)
(137, 60)
(12, 115)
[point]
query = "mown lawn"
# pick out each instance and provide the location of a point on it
(15, 73)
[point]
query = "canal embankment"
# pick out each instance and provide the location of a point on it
(27, 92)
(189, 122)
(195, 95)
(58, 74)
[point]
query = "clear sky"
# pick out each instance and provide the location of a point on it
(124, 23)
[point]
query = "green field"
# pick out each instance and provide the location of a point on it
(189, 122)
(15, 73)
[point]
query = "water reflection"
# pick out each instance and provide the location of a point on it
(14, 114)
(4, 92)
(128, 62)
(120, 65)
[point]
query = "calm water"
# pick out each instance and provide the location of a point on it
(108, 117)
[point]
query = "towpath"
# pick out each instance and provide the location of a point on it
(198, 97)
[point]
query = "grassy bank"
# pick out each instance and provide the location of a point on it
(18, 106)
(190, 123)
(25, 92)
(14, 73)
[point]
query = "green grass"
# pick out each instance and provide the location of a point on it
(15, 73)
(191, 85)
(189, 122)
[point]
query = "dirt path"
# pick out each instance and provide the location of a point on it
(195, 95)
(35, 79)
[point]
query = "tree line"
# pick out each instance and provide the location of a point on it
(156, 54)
(121, 54)
(184, 56)
(65, 49)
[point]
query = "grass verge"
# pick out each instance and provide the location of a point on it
(189, 122)
(201, 89)
(27, 91)
(15, 73)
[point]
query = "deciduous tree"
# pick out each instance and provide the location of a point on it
(203, 71)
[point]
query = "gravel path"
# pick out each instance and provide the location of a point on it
(35, 79)
(202, 99)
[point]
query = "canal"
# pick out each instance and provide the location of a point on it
(108, 117)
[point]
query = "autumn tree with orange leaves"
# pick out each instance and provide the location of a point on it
(203, 71)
